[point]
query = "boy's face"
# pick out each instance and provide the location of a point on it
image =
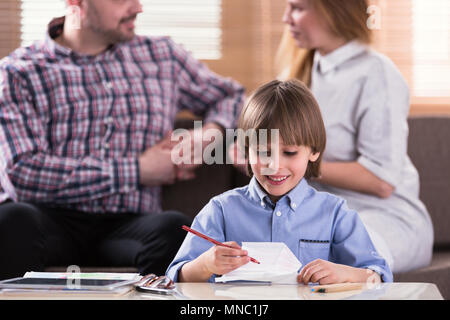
(279, 170)
(114, 20)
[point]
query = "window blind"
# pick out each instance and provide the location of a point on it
(415, 34)
(193, 23)
(431, 48)
(35, 16)
(9, 26)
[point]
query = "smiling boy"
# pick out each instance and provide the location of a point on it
(278, 205)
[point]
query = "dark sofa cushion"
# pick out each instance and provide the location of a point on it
(189, 197)
(429, 149)
(437, 272)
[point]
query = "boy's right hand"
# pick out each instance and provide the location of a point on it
(221, 260)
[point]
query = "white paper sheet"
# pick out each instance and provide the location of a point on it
(277, 264)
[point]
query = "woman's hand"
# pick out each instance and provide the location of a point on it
(326, 272)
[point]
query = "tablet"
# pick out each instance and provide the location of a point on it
(63, 284)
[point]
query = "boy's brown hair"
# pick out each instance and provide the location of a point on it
(290, 107)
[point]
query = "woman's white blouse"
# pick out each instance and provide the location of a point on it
(365, 103)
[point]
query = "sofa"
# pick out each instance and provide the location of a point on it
(429, 150)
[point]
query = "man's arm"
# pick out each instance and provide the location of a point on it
(217, 99)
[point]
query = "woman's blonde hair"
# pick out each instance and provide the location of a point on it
(346, 19)
(290, 107)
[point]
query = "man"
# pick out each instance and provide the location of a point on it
(85, 122)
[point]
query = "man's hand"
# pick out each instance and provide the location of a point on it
(155, 164)
(186, 170)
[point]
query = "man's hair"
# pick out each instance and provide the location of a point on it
(290, 107)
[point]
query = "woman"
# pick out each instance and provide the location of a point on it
(365, 102)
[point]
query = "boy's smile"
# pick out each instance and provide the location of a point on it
(277, 180)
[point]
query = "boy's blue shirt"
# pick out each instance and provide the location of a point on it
(313, 224)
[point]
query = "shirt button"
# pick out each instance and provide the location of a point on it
(106, 145)
(262, 204)
(108, 85)
(293, 205)
(278, 213)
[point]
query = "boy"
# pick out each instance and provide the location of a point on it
(278, 204)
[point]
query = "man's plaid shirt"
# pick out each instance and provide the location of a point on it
(72, 126)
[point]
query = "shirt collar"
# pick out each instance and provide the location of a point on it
(55, 29)
(256, 191)
(337, 57)
(294, 197)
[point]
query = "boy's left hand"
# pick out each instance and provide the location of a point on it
(324, 272)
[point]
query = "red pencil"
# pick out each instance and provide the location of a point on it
(201, 235)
